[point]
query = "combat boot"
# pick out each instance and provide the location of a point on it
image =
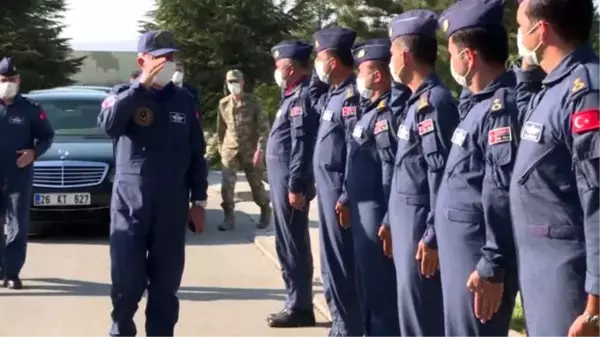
(265, 217)
(228, 222)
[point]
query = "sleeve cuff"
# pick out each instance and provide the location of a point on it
(489, 272)
(198, 195)
(591, 284)
(429, 238)
(296, 187)
(343, 199)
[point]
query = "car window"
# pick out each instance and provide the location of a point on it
(73, 116)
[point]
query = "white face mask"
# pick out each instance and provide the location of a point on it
(166, 74)
(177, 77)
(234, 88)
(361, 86)
(320, 69)
(460, 79)
(279, 79)
(8, 90)
(395, 73)
(530, 56)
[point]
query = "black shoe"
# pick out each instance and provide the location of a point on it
(14, 283)
(291, 319)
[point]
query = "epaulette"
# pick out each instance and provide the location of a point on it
(33, 102)
(580, 81)
(423, 101)
(498, 100)
(382, 105)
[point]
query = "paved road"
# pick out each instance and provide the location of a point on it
(228, 288)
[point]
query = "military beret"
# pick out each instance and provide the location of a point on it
(421, 22)
(7, 67)
(292, 49)
(156, 43)
(372, 50)
(465, 14)
(340, 39)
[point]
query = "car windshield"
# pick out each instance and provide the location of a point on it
(73, 116)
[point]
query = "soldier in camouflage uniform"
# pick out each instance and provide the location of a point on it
(242, 129)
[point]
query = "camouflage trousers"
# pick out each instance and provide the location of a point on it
(254, 175)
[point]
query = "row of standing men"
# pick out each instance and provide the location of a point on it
(427, 205)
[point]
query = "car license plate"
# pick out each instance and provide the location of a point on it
(61, 199)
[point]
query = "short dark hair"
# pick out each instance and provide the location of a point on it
(571, 19)
(383, 67)
(345, 57)
(491, 42)
(424, 48)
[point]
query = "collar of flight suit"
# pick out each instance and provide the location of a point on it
(566, 65)
(292, 89)
(380, 103)
(18, 98)
(429, 82)
(506, 79)
(342, 86)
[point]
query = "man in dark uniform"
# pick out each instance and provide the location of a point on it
(368, 180)
(472, 216)
(339, 113)
(160, 168)
(423, 146)
(554, 190)
(25, 134)
(289, 168)
(400, 94)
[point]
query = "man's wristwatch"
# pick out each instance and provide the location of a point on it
(201, 203)
(591, 319)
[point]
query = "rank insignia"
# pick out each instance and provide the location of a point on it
(381, 104)
(349, 93)
(578, 84)
(361, 54)
(496, 105)
(499, 135)
(381, 126)
(143, 116)
(276, 53)
(445, 25)
(423, 103)
(426, 127)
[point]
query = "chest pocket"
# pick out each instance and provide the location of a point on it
(18, 130)
(177, 128)
(329, 124)
(382, 135)
(297, 117)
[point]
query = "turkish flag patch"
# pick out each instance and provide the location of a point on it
(381, 126)
(109, 101)
(296, 111)
(43, 115)
(499, 135)
(586, 120)
(348, 111)
(426, 127)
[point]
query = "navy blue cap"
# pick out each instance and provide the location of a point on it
(156, 43)
(422, 22)
(464, 14)
(7, 67)
(372, 50)
(340, 39)
(292, 49)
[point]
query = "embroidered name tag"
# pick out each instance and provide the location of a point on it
(348, 111)
(327, 115)
(357, 132)
(296, 111)
(177, 117)
(499, 135)
(532, 131)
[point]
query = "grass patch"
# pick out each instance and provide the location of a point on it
(518, 317)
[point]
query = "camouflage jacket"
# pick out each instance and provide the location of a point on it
(242, 127)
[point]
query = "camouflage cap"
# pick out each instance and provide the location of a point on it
(234, 75)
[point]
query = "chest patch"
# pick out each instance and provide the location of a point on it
(357, 132)
(499, 135)
(459, 136)
(381, 126)
(348, 111)
(327, 115)
(403, 132)
(532, 131)
(177, 117)
(143, 116)
(16, 120)
(426, 127)
(296, 111)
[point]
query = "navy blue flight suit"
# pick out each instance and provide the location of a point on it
(369, 168)
(338, 115)
(554, 192)
(289, 162)
(23, 125)
(400, 94)
(472, 216)
(423, 146)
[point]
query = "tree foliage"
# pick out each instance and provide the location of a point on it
(30, 34)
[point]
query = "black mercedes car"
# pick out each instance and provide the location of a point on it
(72, 181)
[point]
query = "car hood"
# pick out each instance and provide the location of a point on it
(84, 148)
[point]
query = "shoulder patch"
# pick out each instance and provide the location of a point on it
(382, 104)
(42, 115)
(296, 111)
(584, 121)
(381, 126)
(348, 111)
(109, 101)
(580, 80)
(423, 101)
(498, 100)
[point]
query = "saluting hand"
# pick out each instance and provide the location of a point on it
(428, 258)
(296, 201)
(385, 235)
(150, 69)
(343, 215)
(27, 156)
(488, 296)
(196, 217)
